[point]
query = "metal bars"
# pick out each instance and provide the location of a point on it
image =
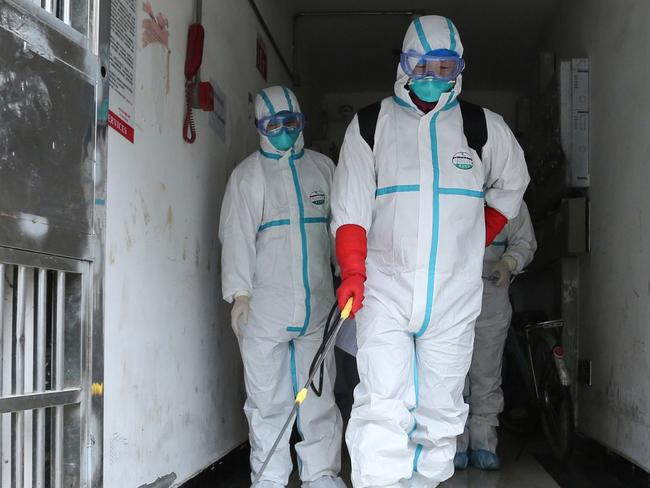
(50, 5)
(64, 11)
(75, 13)
(19, 424)
(41, 347)
(43, 398)
(5, 359)
(40, 401)
(58, 378)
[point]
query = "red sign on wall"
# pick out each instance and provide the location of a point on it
(262, 61)
(120, 126)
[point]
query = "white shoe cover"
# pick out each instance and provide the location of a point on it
(267, 484)
(325, 482)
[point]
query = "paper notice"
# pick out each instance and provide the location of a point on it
(122, 71)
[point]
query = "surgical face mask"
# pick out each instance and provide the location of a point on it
(430, 89)
(284, 140)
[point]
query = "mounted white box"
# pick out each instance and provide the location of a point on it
(574, 116)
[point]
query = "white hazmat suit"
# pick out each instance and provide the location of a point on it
(420, 196)
(516, 246)
(277, 250)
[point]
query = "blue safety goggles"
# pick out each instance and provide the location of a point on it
(271, 125)
(441, 64)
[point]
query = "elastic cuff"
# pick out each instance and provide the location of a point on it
(241, 293)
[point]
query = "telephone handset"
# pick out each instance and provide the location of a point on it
(194, 56)
(205, 92)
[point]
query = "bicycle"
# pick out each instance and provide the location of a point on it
(535, 355)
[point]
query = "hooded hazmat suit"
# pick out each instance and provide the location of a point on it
(517, 243)
(276, 249)
(419, 195)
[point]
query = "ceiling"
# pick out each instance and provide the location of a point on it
(359, 53)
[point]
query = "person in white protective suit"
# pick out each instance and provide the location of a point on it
(509, 254)
(276, 268)
(412, 216)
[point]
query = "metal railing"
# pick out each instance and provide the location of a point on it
(44, 383)
(75, 13)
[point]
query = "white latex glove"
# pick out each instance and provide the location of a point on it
(503, 269)
(239, 312)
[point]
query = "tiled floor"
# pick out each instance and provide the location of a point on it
(526, 463)
(520, 470)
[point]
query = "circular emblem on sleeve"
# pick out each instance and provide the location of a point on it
(317, 197)
(463, 160)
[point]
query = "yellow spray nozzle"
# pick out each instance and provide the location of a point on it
(302, 394)
(347, 310)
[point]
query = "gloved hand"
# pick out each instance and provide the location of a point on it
(351, 251)
(239, 312)
(503, 269)
(495, 221)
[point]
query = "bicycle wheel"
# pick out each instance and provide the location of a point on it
(555, 404)
(520, 413)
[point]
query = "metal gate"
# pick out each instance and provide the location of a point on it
(53, 109)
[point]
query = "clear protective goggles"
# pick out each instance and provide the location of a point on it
(440, 64)
(272, 125)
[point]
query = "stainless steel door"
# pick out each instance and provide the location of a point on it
(53, 110)
(44, 370)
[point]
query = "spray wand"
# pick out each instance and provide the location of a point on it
(321, 354)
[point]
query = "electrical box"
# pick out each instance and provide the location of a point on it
(574, 113)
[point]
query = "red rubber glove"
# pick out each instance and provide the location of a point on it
(351, 251)
(495, 221)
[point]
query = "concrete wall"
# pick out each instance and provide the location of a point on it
(174, 393)
(615, 278)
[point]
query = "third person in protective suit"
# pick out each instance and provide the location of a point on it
(414, 203)
(509, 254)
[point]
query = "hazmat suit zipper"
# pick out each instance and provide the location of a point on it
(303, 241)
(435, 210)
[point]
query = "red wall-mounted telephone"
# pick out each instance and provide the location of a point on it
(194, 57)
(203, 90)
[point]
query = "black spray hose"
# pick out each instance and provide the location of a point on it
(327, 333)
(301, 395)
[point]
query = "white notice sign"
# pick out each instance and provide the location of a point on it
(123, 40)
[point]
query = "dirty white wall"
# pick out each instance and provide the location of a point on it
(172, 369)
(615, 278)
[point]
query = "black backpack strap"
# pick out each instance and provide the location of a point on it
(368, 122)
(474, 126)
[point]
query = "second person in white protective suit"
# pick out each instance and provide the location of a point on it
(276, 269)
(411, 217)
(512, 250)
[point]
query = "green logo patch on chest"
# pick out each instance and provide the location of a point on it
(463, 160)
(317, 197)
